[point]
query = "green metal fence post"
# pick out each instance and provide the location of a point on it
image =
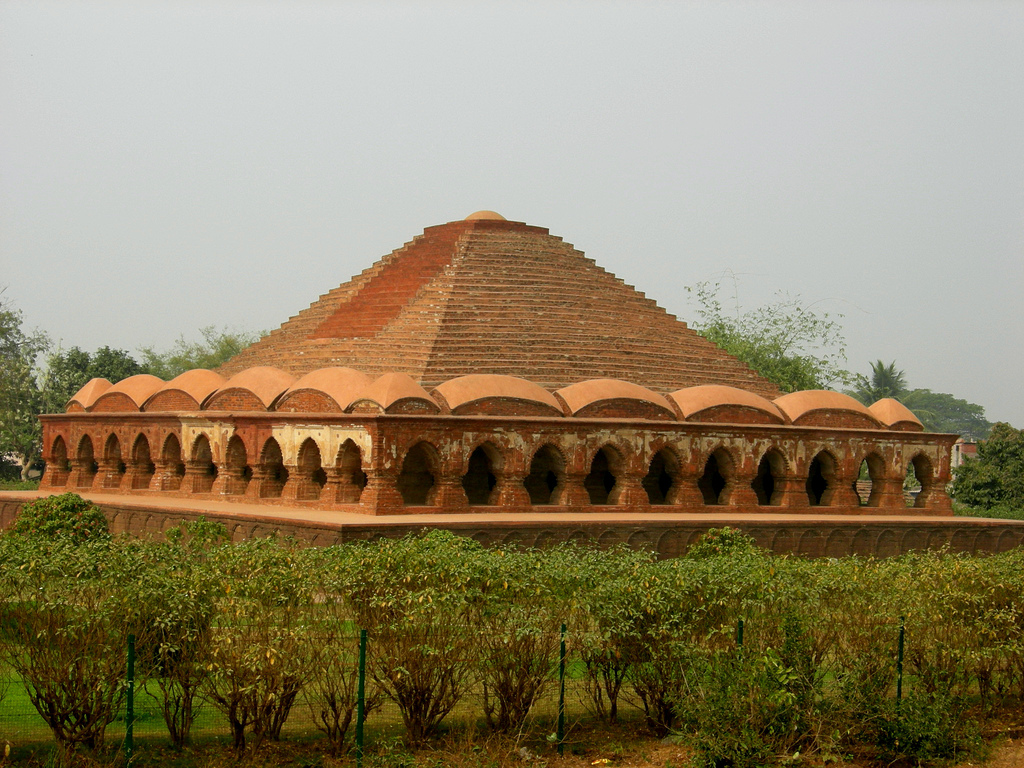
(361, 699)
(129, 707)
(899, 663)
(739, 633)
(561, 693)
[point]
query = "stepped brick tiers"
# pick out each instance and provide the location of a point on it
(488, 366)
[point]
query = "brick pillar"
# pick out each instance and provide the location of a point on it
(629, 490)
(296, 488)
(739, 490)
(54, 476)
(230, 482)
(510, 490)
(844, 494)
(260, 476)
(684, 491)
(110, 473)
(137, 476)
(794, 491)
(575, 493)
(889, 492)
(340, 488)
(165, 478)
(449, 493)
(381, 494)
(197, 478)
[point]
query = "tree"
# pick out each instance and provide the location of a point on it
(787, 342)
(113, 365)
(996, 476)
(938, 412)
(216, 348)
(66, 372)
(20, 395)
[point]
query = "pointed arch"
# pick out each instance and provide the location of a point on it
(870, 480)
(767, 483)
(821, 479)
(417, 481)
(113, 463)
(310, 471)
(85, 458)
(58, 467)
(920, 466)
(546, 481)
(480, 483)
(662, 477)
(237, 472)
(203, 468)
(718, 473)
(143, 467)
(351, 477)
(605, 470)
(275, 475)
(173, 469)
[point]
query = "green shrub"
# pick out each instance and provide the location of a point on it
(926, 727)
(67, 516)
(721, 541)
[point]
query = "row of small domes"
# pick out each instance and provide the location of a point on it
(341, 390)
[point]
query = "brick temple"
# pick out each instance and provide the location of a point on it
(488, 365)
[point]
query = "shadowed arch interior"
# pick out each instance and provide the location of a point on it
(311, 472)
(546, 479)
(660, 478)
(766, 483)
(920, 467)
(479, 482)
(600, 482)
(142, 461)
(59, 465)
(114, 467)
(173, 464)
(821, 477)
(275, 475)
(714, 482)
(205, 469)
(868, 484)
(417, 480)
(86, 458)
(351, 478)
(236, 467)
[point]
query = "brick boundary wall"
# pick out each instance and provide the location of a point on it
(805, 537)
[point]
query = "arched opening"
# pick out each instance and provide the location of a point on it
(352, 479)
(113, 465)
(821, 476)
(237, 471)
(766, 483)
(919, 481)
(274, 473)
(660, 477)
(547, 476)
(417, 480)
(868, 484)
(715, 480)
(174, 466)
(205, 469)
(479, 482)
(600, 481)
(87, 466)
(59, 466)
(142, 463)
(311, 472)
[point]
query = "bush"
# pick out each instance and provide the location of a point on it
(67, 516)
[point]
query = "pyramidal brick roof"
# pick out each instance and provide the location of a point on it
(489, 296)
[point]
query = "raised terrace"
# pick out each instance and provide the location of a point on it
(488, 367)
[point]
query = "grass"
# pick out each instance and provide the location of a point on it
(19, 485)
(999, 513)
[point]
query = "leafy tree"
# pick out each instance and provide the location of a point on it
(216, 348)
(66, 372)
(787, 342)
(938, 412)
(113, 365)
(67, 516)
(996, 477)
(20, 395)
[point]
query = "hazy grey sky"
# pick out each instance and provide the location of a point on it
(170, 165)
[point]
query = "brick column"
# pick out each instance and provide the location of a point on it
(629, 490)
(449, 493)
(684, 491)
(136, 478)
(793, 489)
(574, 494)
(510, 489)
(889, 491)
(340, 489)
(381, 493)
(197, 478)
(844, 494)
(165, 478)
(110, 473)
(739, 490)
(54, 476)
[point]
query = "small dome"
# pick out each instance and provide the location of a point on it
(613, 398)
(895, 415)
(486, 215)
(88, 394)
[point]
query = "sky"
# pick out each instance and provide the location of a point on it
(166, 166)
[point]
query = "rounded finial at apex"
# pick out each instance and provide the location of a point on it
(491, 215)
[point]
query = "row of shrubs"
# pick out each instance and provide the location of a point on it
(258, 626)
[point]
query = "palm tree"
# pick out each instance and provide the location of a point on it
(885, 381)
